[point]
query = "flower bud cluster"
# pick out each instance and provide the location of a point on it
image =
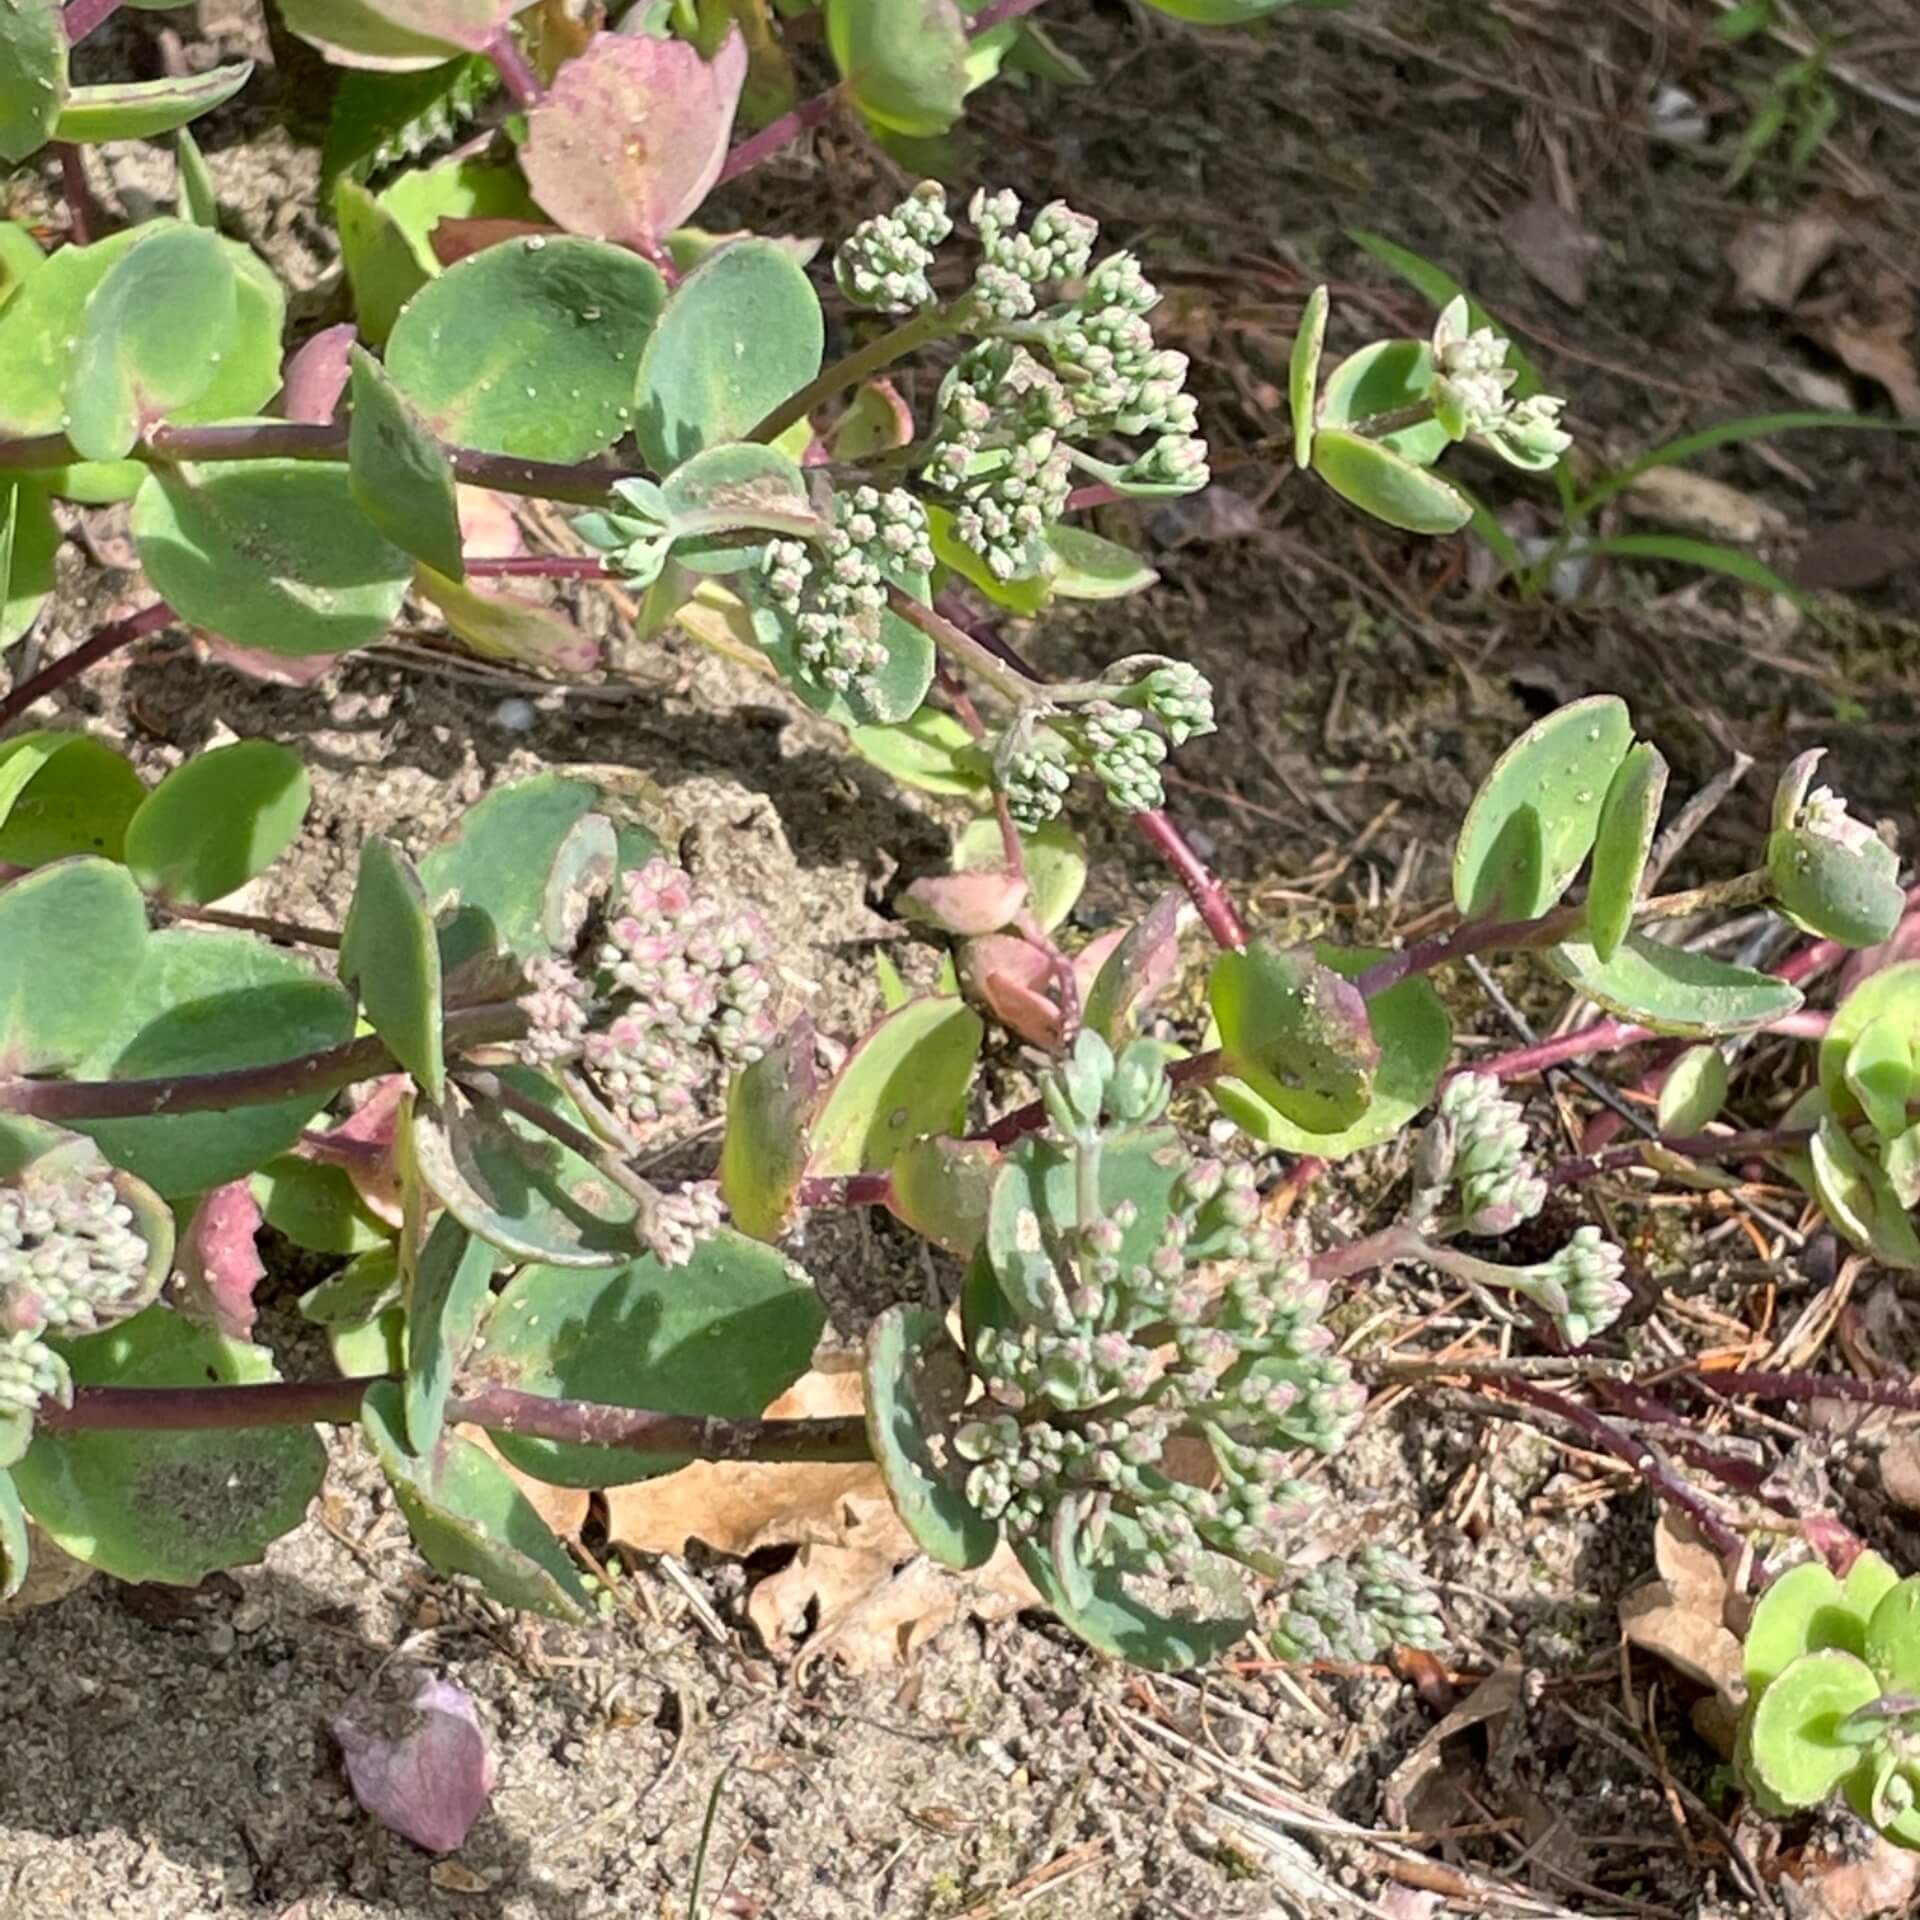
(681, 988)
(1056, 246)
(70, 1260)
(1178, 695)
(1580, 1287)
(883, 263)
(1355, 1609)
(30, 1372)
(836, 594)
(681, 1220)
(1498, 1186)
(1124, 1340)
(1470, 394)
(1125, 753)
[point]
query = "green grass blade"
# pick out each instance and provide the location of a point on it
(1704, 554)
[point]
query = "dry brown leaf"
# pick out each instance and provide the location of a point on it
(872, 1612)
(1873, 338)
(1493, 1699)
(739, 1507)
(1884, 1880)
(1900, 1472)
(1553, 247)
(1681, 1616)
(52, 1574)
(1697, 503)
(564, 1509)
(1772, 260)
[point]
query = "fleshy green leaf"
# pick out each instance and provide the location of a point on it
(400, 475)
(1373, 477)
(529, 347)
(1623, 841)
(204, 1003)
(943, 1189)
(71, 934)
(151, 339)
(1859, 1199)
(1386, 377)
(390, 954)
(1793, 1744)
(270, 553)
(318, 1207)
(1410, 1025)
(631, 136)
(73, 799)
(14, 1542)
(1893, 1638)
(508, 626)
(451, 1290)
(1803, 1611)
(742, 333)
(198, 200)
(1892, 995)
(1849, 894)
(170, 1507)
(211, 825)
(739, 484)
(1090, 568)
(909, 1076)
(1880, 1075)
(1296, 1033)
(1054, 855)
(1535, 816)
(33, 75)
(1673, 991)
(917, 1384)
(468, 1517)
(1303, 375)
(724, 1335)
(138, 109)
(904, 61)
(764, 1155)
(494, 866)
(1693, 1092)
(931, 751)
(28, 546)
(382, 119)
(1136, 972)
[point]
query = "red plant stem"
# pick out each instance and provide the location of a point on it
(1903, 1394)
(80, 17)
(83, 210)
(288, 933)
(779, 133)
(312, 1075)
(1604, 1036)
(1744, 1476)
(89, 653)
(847, 1190)
(1475, 936)
(1001, 10)
(540, 566)
(1624, 1446)
(300, 1403)
(1695, 1146)
(516, 74)
(1217, 911)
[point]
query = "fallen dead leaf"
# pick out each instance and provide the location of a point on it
(1553, 248)
(1493, 1699)
(1772, 260)
(52, 1574)
(1696, 503)
(1872, 337)
(1681, 1616)
(1884, 1880)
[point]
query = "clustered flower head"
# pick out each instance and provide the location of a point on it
(1355, 1609)
(883, 263)
(835, 594)
(1487, 1135)
(1580, 1287)
(1471, 383)
(71, 1262)
(1124, 1339)
(680, 989)
(1015, 265)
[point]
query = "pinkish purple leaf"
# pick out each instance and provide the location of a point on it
(363, 1144)
(966, 903)
(423, 1769)
(1014, 980)
(632, 134)
(258, 663)
(316, 376)
(219, 1264)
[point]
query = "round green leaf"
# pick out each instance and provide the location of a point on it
(738, 484)
(917, 1382)
(204, 1003)
(21, 259)
(764, 1155)
(1410, 1025)
(33, 75)
(1303, 375)
(1859, 1199)
(942, 1188)
(1804, 1611)
(1849, 894)
(1693, 1092)
(1119, 1612)
(383, 268)
(71, 936)
(450, 1290)
(26, 555)
(138, 109)
(467, 1516)
(1623, 840)
(1536, 813)
(1086, 567)
(492, 870)
(355, 33)
(904, 61)
(170, 1507)
(1296, 1033)
(742, 333)
(1055, 858)
(1881, 1075)
(909, 1076)
(399, 473)
(317, 1206)
(530, 347)
(931, 751)
(79, 799)
(366, 1286)
(1373, 477)
(1792, 1744)
(211, 825)
(1386, 377)
(1892, 995)
(724, 1335)
(1674, 991)
(391, 955)
(271, 554)
(1893, 1638)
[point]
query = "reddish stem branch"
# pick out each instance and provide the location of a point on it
(847, 1190)
(779, 133)
(89, 653)
(540, 566)
(515, 71)
(83, 210)
(1217, 911)
(1902, 1394)
(1695, 1146)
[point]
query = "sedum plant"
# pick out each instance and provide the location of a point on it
(456, 1095)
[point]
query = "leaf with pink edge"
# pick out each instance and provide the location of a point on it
(764, 1156)
(219, 1263)
(1296, 1033)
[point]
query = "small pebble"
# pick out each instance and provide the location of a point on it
(514, 716)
